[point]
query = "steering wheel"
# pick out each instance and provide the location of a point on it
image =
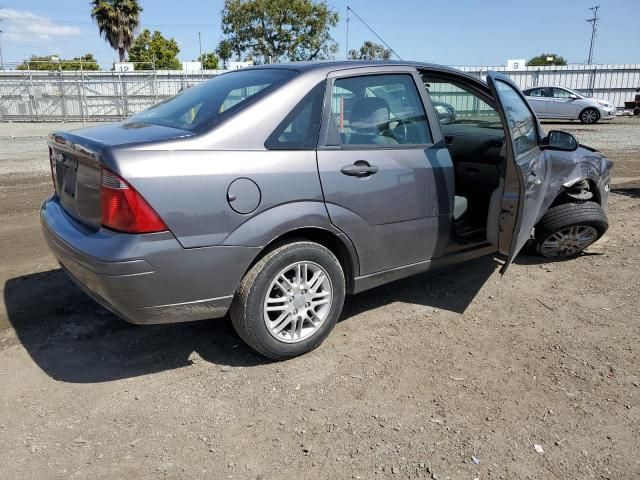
(401, 131)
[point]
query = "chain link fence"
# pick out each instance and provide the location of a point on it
(91, 95)
(88, 95)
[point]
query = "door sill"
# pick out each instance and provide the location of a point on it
(372, 280)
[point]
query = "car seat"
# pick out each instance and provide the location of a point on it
(369, 122)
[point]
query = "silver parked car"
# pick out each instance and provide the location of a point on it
(272, 192)
(560, 103)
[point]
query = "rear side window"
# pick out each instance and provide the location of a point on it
(205, 105)
(300, 129)
(382, 110)
(536, 92)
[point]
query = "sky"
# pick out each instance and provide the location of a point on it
(450, 32)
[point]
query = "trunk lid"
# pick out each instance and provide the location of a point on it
(78, 157)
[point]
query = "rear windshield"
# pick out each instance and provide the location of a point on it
(202, 106)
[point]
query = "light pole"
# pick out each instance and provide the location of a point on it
(1, 57)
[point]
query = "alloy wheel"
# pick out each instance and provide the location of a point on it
(297, 302)
(589, 116)
(568, 242)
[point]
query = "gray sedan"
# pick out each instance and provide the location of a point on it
(272, 192)
(561, 103)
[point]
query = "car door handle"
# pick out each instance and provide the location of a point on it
(360, 168)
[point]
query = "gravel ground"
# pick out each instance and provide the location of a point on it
(460, 374)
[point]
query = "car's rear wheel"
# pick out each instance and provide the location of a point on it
(589, 116)
(289, 301)
(567, 229)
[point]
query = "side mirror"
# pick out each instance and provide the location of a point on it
(574, 97)
(558, 140)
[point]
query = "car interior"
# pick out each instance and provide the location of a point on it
(475, 140)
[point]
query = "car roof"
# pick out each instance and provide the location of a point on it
(325, 67)
(548, 86)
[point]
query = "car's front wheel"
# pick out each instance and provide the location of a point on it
(289, 301)
(567, 229)
(589, 116)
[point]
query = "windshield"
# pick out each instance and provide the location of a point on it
(202, 106)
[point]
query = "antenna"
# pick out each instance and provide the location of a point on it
(594, 28)
(349, 9)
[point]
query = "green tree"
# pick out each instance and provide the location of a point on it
(370, 51)
(117, 21)
(53, 62)
(150, 50)
(224, 51)
(276, 30)
(541, 60)
(209, 61)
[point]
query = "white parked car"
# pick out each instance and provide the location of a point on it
(561, 103)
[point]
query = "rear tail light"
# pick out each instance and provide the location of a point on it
(52, 163)
(124, 209)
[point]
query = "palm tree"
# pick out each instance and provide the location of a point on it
(117, 21)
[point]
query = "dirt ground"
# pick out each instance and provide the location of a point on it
(457, 374)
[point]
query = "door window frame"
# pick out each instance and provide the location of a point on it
(433, 124)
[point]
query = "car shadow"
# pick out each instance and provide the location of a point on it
(73, 339)
(630, 190)
(527, 259)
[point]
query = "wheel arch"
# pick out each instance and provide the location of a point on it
(575, 190)
(338, 244)
(590, 108)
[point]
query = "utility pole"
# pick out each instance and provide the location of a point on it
(594, 28)
(1, 57)
(200, 45)
(346, 55)
(349, 9)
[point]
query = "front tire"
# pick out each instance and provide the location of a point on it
(567, 229)
(289, 301)
(589, 116)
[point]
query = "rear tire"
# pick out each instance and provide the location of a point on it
(589, 116)
(288, 302)
(567, 229)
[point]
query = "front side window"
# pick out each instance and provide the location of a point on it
(561, 93)
(202, 106)
(384, 110)
(520, 120)
(458, 107)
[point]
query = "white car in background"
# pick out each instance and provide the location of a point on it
(560, 103)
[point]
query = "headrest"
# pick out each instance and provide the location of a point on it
(369, 113)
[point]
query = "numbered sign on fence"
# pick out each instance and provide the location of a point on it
(516, 64)
(123, 67)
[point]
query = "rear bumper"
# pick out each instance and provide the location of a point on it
(145, 279)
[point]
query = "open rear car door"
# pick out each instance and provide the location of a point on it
(524, 183)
